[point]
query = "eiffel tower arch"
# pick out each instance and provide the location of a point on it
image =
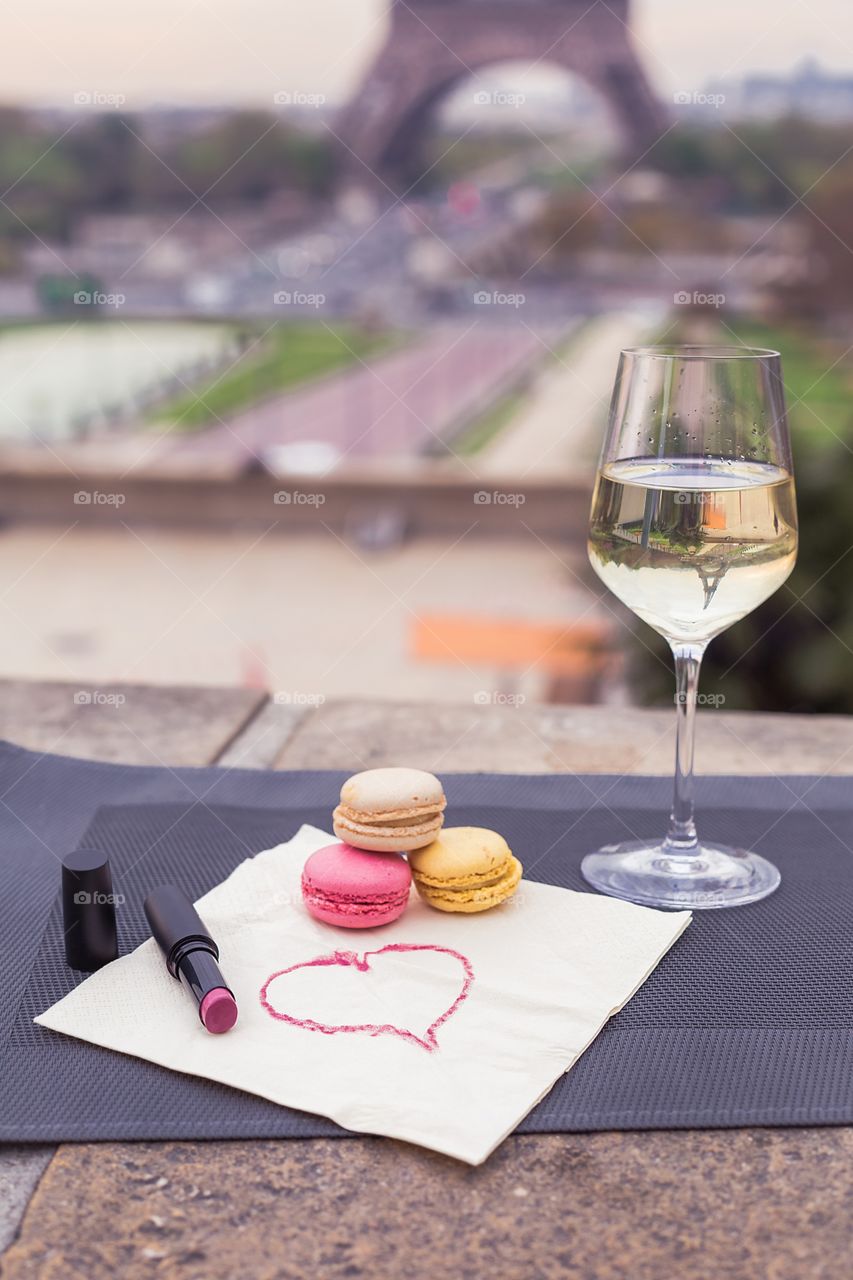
(432, 45)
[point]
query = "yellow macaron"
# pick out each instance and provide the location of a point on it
(465, 869)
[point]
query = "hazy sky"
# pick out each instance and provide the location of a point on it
(188, 51)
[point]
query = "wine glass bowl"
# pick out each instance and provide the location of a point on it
(693, 525)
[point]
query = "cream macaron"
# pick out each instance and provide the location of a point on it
(390, 810)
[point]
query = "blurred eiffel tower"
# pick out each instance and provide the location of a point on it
(432, 45)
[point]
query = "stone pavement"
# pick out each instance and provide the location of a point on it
(559, 428)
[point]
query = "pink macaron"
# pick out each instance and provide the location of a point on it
(353, 889)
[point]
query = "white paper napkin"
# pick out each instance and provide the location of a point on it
(456, 1024)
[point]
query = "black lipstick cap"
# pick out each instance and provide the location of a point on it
(88, 909)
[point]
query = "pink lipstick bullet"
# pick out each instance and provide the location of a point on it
(191, 956)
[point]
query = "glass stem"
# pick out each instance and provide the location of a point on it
(681, 838)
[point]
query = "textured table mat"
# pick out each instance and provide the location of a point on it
(749, 1020)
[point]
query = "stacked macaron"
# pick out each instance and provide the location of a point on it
(390, 810)
(466, 869)
(355, 890)
(382, 814)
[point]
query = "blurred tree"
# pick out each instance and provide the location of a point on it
(823, 288)
(105, 151)
(103, 165)
(572, 221)
(42, 186)
(738, 168)
(754, 167)
(576, 222)
(249, 156)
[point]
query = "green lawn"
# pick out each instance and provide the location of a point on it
(273, 362)
(818, 377)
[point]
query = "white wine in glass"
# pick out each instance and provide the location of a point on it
(691, 547)
(693, 525)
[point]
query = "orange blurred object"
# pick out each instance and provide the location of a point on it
(580, 649)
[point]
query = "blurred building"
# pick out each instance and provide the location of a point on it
(808, 91)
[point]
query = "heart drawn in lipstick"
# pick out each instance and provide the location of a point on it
(350, 960)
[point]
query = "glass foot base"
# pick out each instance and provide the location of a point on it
(715, 876)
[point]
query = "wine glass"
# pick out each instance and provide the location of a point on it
(693, 525)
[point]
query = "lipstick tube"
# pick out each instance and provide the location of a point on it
(191, 956)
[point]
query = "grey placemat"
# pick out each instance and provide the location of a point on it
(749, 1020)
